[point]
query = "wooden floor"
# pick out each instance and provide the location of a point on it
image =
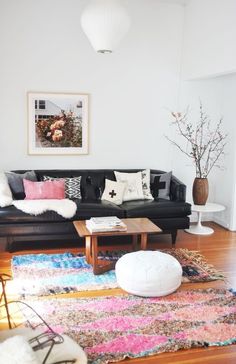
(220, 250)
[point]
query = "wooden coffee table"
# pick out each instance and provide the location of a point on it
(135, 227)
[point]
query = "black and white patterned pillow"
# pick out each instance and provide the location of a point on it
(146, 184)
(72, 185)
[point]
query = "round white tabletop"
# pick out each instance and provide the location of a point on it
(200, 209)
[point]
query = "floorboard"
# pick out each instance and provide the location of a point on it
(218, 248)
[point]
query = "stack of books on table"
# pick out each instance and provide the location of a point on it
(108, 223)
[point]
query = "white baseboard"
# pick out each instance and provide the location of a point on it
(221, 222)
(211, 217)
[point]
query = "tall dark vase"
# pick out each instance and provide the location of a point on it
(200, 191)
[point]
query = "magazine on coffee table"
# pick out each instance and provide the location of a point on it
(107, 223)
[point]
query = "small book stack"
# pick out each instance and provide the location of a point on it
(108, 223)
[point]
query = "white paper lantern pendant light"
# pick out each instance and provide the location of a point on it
(105, 22)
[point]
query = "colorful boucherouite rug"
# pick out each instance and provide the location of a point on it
(113, 328)
(45, 274)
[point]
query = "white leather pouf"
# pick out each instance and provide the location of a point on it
(148, 273)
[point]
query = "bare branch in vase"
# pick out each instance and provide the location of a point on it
(205, 144)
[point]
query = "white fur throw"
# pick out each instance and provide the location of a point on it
(68, 350)
(66, 208)
(5, 192)
(16, 350)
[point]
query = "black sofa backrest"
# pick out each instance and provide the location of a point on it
(93, 180)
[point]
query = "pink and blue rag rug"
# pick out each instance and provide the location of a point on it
(45, 274)
(113, 328)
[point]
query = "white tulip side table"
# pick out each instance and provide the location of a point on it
(200, 209)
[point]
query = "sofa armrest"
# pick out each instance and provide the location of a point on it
(177, 190)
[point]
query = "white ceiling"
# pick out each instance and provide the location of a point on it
(181, 2)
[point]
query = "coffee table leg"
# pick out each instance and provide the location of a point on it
(88, 249)
(99, 267)
(134, 242)
(95, 254)
(143, 241)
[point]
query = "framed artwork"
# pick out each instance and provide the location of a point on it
(57, 123)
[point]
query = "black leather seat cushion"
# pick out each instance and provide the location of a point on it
(11, 214)
(97, 208)
(155, 209)
(85, 210)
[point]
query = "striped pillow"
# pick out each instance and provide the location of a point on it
(72, 185)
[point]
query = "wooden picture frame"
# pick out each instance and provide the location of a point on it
(57, 123)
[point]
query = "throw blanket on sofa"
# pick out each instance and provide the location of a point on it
(66, 208)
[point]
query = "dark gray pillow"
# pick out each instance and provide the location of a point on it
(160, 185)
(15, 181)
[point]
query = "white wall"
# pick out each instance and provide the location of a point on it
(44, 49)
(226, 188)
(217, 97)
(191, 93)
(131, 91)
(210, 46)
(209, 49)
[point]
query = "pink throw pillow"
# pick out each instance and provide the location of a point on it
(44, 190)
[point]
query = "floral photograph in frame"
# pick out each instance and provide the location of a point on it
(57, 123)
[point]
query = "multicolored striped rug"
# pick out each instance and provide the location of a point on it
(113, 328)
(45, 274)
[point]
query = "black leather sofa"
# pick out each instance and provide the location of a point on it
(24, 231)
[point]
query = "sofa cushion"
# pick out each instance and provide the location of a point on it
(5, 191)
(90, 191)
(15, 181)
(86, 210)
(114, 191)
(72, 185)
(134, 188)
(44, 190)
(12, 215)
(146, 184)
(160, 185)
(154, 209)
